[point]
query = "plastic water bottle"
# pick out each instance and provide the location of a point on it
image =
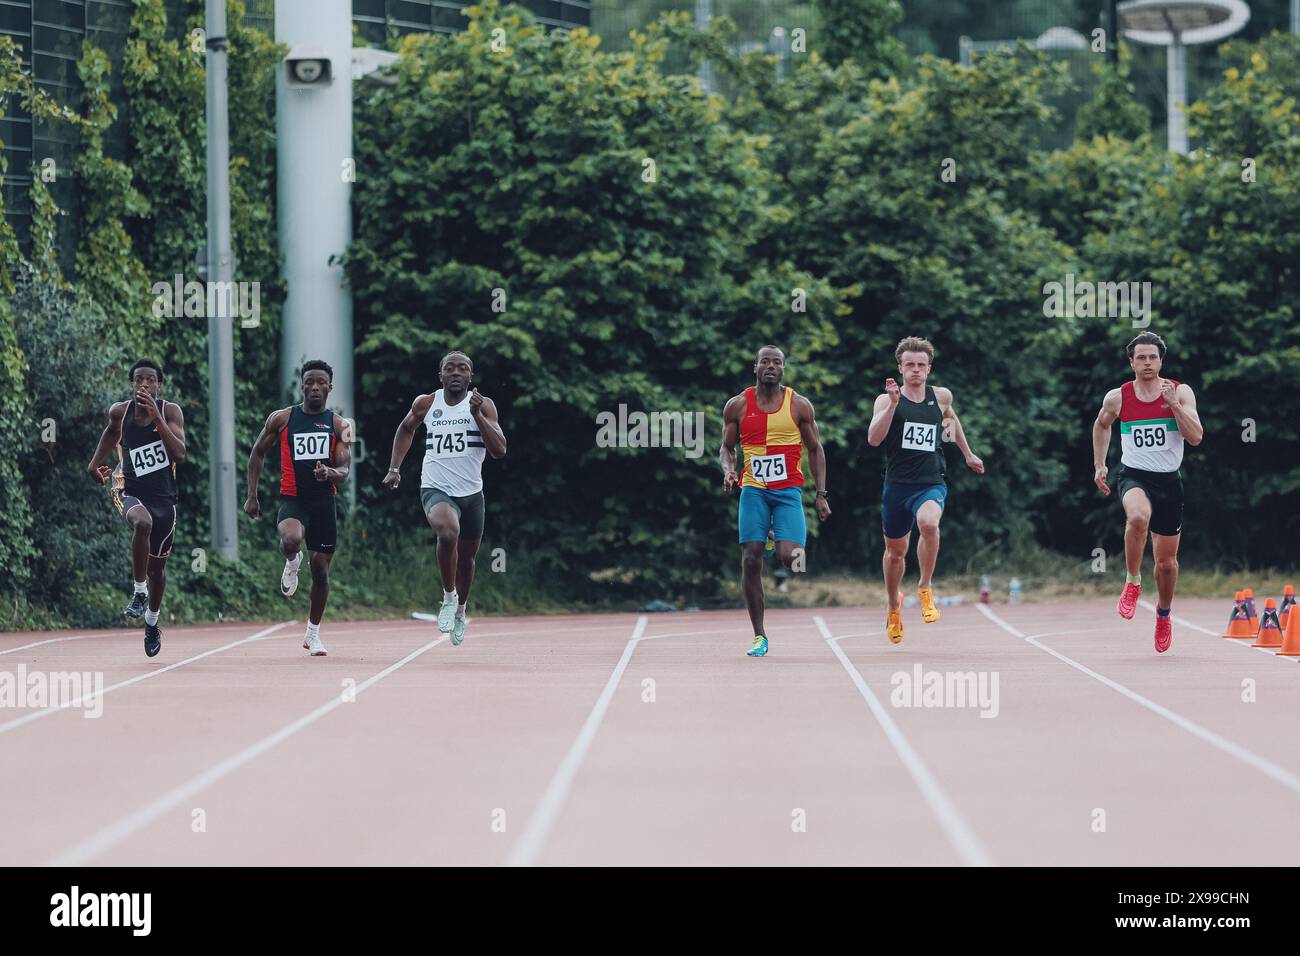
(1015, 591)
(984, 589)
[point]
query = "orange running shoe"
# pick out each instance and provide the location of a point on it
(1128, 601)
(1164, 633)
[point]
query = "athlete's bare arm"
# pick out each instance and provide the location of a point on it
(731, 413)
(1110, 406)
(944, 398)
(485, 415)
(882, 415)
(341, 460)
(806, 418)
(108, 440)
(1182, 403)
(170, 425)
(270, 434)
(402, 439)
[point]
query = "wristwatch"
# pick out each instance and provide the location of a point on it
(392, 471)
(824, 494)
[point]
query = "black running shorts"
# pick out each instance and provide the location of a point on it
(162, 513)
(1164, 489)
(318, 520)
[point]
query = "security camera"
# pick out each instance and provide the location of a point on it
(306, 67)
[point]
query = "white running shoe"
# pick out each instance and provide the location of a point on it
(311, 643)
(447, 613)
(289, 577)
(458, 630)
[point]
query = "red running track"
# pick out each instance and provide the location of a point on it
(628, 740)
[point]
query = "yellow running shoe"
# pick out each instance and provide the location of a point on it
(929, 613)
(894, 625)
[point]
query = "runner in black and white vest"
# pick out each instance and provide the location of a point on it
(149, 435)
(461, 429)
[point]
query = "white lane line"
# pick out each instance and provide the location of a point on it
(538, 828)
(55, 640)
(113, 834)
(47, 711)
(1248, 757)
(1240, 641)
(958, 831)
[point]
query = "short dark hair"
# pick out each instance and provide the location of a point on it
(1146, 338)
(773, 348)
(317, 364)
(146, 363)
(455, 352)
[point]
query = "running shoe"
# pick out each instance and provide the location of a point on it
(311, 643)
(759, 649)
(1164, 633)
(289, 577)
(139, 604)
(1128, 601)
(929, 613)
(152, 640)
(894, 625)
(447, 613)
(458, 630)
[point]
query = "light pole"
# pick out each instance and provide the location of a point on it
(221, 355)
(1176, 25)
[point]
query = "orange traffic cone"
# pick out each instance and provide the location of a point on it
(1291, 638)
(1238, 621)
(1270, 632)
(1251, 615)
(1284, 612)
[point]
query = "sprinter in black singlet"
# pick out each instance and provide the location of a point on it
(911, 422)
(149, 435)
(314, 459)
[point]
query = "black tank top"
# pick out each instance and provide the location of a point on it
(305, 440)
(913, 452)
(147, 469)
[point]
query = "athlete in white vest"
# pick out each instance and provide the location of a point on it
(1157, 417)
(461, 428)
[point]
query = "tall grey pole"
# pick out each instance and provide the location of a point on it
(1176, 94)
(221, 360)
(1295, 16)
(703, 14)
(315, 171)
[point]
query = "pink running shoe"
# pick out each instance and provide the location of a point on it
(1164, 634)
(1128, 601)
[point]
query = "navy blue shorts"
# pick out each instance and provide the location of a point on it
(902, 500)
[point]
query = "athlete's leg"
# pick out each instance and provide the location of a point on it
(1164, 548)
(751, 580)
(291, 534)
(140, 522)
(893, 562)
(465, 551)
(157, 582)
(445, 523)
(320, 584)
(1137, 515)
(927, 547)
(789, 553)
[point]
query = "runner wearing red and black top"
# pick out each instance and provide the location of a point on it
(150, 438)
(1157, 417)
(314, 460)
